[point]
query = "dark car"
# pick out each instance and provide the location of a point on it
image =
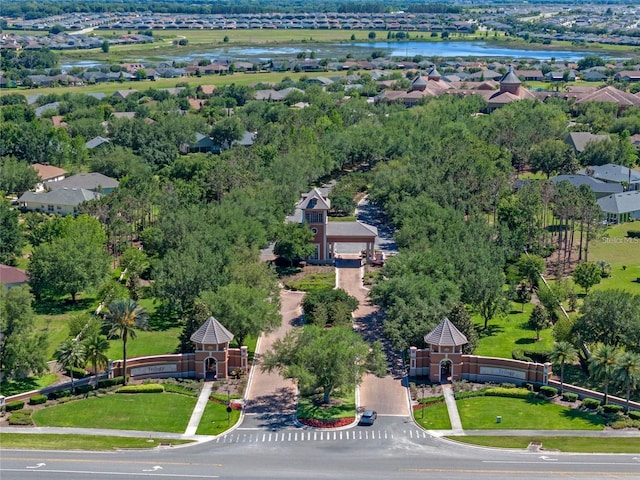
(368, 417)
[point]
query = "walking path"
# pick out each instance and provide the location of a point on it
(104, 432)
(452, 409)
(198, 410)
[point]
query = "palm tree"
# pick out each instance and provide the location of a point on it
(71, 354)
(627, 373)
(96, 346)
(562, 353)
(601, 366)
(123, 318)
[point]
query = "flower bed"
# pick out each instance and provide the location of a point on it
(327, 423)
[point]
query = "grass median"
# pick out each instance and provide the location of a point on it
(562, 444)
(29, 441)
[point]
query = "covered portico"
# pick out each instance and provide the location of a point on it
(351, 232)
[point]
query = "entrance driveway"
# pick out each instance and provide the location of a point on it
(387, 395)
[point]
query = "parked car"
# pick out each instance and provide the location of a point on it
(368, 417)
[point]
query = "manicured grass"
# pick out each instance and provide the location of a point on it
(214, 419)
(503, 335)
(344, 407)
(160, 412)
(478, 413)
(312, 282)
(433, 417)
(14, 387)
(29, 441)
(563, 444)
(146, 343)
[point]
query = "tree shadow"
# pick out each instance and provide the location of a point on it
(525, 341)
(592, 418)
(160, 321)
(490, 331)
(59, 306)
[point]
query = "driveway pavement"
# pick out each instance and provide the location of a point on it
(387, 395)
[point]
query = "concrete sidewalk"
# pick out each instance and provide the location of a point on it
(198, 410)
(452, 409)
(538, 433)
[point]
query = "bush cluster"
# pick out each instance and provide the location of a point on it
(38, 400)
(59, 394)
(22, 417)
(508, 392)
(548, 391)
(470, 393)
(182, 390)
(327, 423)
(590, 403)
(15, 405)
(569, 397)
(611, 408)
(625, 422)
(431, 400)
(110, 382)
(634, 414)
(77, 372)
(145, 388)
(84, 389)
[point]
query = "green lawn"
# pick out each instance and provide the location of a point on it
(312, 282)
(14, 387)
(563, 444)
(214, 419)
(503, 335)
(479, 413)
(433, 417)
(160, 412)
(29, 441)
(344, 408)
(620, 251)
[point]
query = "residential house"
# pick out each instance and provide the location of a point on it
(95, 182)
(64, 201)
(275, 95)
(621, 207)
(12, 276)
(599, 187)
(530, 75)
(628, 76)
(594, 76)
(611, 94)
(48, 174)
(612, 173)
(579, 140)
(123, 94)
(96, 142)
(203, 144)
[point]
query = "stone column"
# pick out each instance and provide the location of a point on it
(244, 358)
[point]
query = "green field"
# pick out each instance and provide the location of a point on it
(158, 412)
(28, 441)
(562, 444)
(479, 413)
(214, 419)
(620, 251)
(503, 335)
(433, 417)
(13, 387)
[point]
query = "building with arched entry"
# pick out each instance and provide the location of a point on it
(213, 357)
(313, 210)
(443, 361)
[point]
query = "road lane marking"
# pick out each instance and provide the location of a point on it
(94, 472)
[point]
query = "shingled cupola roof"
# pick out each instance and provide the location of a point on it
(510, 78)
(419, 83)
(446, 335)
(212, 333)
(434, 74)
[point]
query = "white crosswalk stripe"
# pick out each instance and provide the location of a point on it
(316, 436)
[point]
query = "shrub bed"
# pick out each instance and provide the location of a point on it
(327, 423)
(82, 389)
(15, 405)
(431, 400)
(22, 417)
(77, 372)
(59, 394)
(38, 400)
(590, 403)
(611, 408)
(634, 414)
(110, 382)
(470, 393)
(548, 391)
(174, 388)
(146, 388)
(508, 392)
(569, 397)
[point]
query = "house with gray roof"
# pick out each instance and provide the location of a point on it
(598, 187)
(579, 140)
(95, 182)
(621, 207)
(612, 173)
(63, 201)
(96, 142)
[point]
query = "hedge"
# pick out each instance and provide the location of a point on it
(470, 393)
(15, 405)
(569, 397)
(634, 414)
(633, 234)
(22, 417)
(508, 392)
(77, 372)
(145, 388)
(110, 382)
(611, 408)
(591, 403)
(548, 391)
(84, 389)
(38, 399)
(173, 388)
(431, 400)
(59, 394)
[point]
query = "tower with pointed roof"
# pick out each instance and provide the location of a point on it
(212, 350)
(315, 209)
(445, 352)
(510, 83)
(419, 84)
(434, 74)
